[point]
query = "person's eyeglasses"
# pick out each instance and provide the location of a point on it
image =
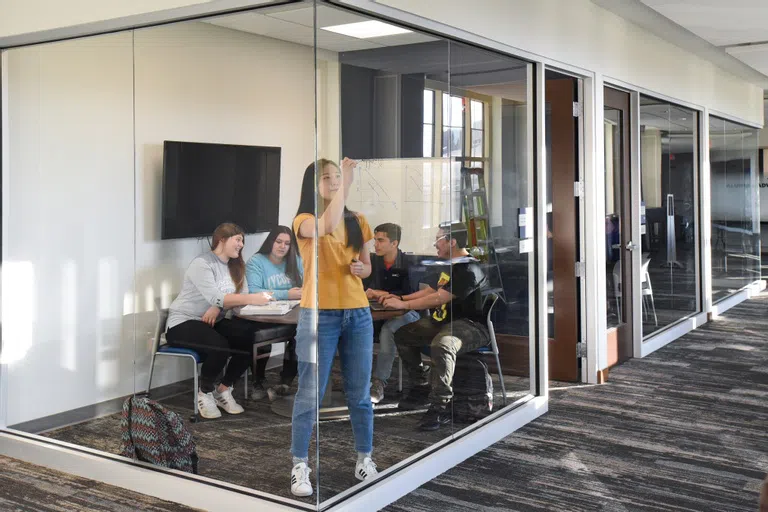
(439, 238)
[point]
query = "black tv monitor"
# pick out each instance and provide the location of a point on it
(207, 184)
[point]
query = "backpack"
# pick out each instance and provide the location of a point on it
(472, 389)
(152, 433)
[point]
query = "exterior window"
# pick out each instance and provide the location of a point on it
(453, 125)
(428, 133)
(477, 123)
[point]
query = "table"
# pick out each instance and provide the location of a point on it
(292, 317)
(334, 404)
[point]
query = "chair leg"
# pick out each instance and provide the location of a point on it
(399, 374)
(501, 380)
(653, 306)
(194, 394)
(151, 370)
(245, 384)
(618, 308)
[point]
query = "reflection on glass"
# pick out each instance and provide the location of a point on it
(614, 182)
(735, 221)
(669, 167)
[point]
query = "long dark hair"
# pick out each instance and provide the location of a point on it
(291, 261)
(308, 197)
(236, 265)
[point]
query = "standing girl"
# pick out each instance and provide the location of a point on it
(339, 307)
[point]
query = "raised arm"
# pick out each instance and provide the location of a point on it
(334, 213)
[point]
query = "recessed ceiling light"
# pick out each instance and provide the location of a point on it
(367, 29)
(683, 118)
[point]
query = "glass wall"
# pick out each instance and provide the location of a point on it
(669, 216)
(735, 206)
(259, 223)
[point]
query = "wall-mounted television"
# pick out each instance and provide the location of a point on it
(207, 184)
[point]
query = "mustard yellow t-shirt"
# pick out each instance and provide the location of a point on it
(337, 287)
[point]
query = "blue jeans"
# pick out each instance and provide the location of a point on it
(351, 332)
(387, 347)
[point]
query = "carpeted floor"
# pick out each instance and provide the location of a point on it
(27, 488)
(683, 429)
(252, 449)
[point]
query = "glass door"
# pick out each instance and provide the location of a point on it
(618, 222)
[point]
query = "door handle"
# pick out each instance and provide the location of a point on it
(631, 246)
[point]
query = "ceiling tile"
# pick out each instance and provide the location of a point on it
(720, 22)
(326, 16)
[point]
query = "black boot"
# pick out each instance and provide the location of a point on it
(437, 416)
(418, 398)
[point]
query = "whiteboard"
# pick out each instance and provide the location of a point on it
(415, 193)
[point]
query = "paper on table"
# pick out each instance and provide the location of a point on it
(279, 307)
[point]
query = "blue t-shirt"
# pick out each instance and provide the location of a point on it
(264, 276)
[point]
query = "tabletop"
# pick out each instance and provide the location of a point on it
(292, 317)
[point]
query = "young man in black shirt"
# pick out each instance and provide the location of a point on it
(389, 276)
(455, 325)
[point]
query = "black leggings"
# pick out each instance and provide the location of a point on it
(290, 364)
(230, 339)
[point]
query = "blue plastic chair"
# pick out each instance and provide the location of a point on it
(159, 349)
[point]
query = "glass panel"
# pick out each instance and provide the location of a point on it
(669, 167)
(614, 256)
(735, 223)
(70, 309)
(401, 199)
(492, 214)
(428, 243)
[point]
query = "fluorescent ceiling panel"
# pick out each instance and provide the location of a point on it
(367, 29)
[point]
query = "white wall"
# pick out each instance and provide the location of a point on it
(579, 33)
(72, 181)
(28, 16)
(68, 255)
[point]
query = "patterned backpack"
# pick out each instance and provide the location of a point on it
(151, 433)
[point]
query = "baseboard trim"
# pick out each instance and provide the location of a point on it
(90, 412)
(191, 490)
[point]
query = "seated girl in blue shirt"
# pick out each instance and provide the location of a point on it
(276, 269)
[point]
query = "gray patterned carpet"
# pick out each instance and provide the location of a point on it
(26, 488)
(683, 429)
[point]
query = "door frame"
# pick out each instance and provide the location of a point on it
(622, 346)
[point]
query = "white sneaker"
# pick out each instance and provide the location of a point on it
(206, 405)
(366, 469)
(300, 484)
(227, 402)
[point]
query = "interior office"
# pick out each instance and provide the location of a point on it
(435, 102)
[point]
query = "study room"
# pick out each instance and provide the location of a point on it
(303, 239)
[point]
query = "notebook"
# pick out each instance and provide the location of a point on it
(278, 307)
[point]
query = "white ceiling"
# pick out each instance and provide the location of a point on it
(738, 27)
(295, 24)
